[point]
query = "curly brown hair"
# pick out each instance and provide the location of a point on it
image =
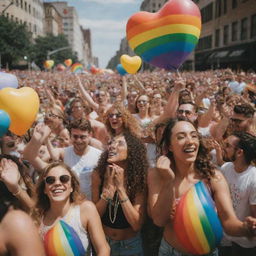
(130, 123)
(203, 164)
(137, 165)
(42, 200)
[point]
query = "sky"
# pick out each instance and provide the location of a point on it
(107, 21)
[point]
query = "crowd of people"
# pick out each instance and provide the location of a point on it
(110, 159)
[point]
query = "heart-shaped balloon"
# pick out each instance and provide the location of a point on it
(4, 122)
(120, 69)
(68, 62)
(48, 64)
(165, 38)
(8, 80)
(130, 64)
(22, 106)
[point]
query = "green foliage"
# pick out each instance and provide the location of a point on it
(15, 41)
(49, 43)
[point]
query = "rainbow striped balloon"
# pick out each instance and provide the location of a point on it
(77, 68)
(62, 240)
(196, 222)
(166, 38)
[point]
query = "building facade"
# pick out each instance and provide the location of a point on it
(228, 37)
(53, 20)
(71, 28)
(28, 12)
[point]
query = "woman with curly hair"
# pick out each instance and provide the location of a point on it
(186, 165)
(67, 220)
(119, 192)
(118, 119)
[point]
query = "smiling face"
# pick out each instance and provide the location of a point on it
(80, 140)
(184, 142)
(115, 120)
(117, 150)
(58, 184)
(143, 103)
(230, 148)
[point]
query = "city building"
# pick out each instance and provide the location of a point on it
(28, 12)
(228, 37)
(53, 20)
(71, 28)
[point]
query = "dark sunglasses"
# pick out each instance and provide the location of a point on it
(118, 115)
(63, 179)
(235, 120)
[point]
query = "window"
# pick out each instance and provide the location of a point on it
(244, 28)
(234, 31)
(234, 4)
(217, 38)
(21, 4)
(253, 26)
(218, 8)
(26, 7)
(29, 9)
(205, 43)
(225, 35)
(225, 6)
(17, 3)
(207, 13)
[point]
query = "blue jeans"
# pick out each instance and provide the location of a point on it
(128, 247)
(166, 250)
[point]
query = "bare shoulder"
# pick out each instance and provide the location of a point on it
(218, 180)
(88, 207)
(17, 222)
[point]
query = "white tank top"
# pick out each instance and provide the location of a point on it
(60, 237)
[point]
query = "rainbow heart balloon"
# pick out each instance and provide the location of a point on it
(62, 240)
(165, 38)
(196, 222)
(77, 68)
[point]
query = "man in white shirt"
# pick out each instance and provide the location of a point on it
(80, 156)
(240, 152)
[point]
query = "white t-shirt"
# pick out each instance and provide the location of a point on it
(243, 193)
(83, 166)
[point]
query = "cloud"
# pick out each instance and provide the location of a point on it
(111, 1)
(104, 25)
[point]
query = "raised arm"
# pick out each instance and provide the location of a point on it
(40, 134)
(161, 192)
(85, 95)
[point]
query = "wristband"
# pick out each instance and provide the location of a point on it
(17, 193)
(107, 199)
(124, 200)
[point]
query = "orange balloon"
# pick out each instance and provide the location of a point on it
(68, 62)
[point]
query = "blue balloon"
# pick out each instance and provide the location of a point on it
(8, 80)
(4, 122)
(121, 69)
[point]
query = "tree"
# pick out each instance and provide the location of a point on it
(15, 41)
(49, 43)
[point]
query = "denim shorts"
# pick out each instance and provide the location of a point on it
(166, 250)
(128, 247)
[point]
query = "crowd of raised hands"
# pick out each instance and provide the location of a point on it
(109, 158)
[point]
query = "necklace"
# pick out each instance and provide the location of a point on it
(115, 206)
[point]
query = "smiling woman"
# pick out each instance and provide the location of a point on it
(66, 218)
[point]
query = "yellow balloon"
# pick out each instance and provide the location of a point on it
(48, 64)
(22, 106)
(130, 64)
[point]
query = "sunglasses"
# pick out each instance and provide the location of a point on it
(52, 115)
(63, 179)
(82, 137)
(235, 120)
(118, 115)
(142, 101)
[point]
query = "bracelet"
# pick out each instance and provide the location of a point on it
(17, 193)
(107, 199)
(124, 200)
